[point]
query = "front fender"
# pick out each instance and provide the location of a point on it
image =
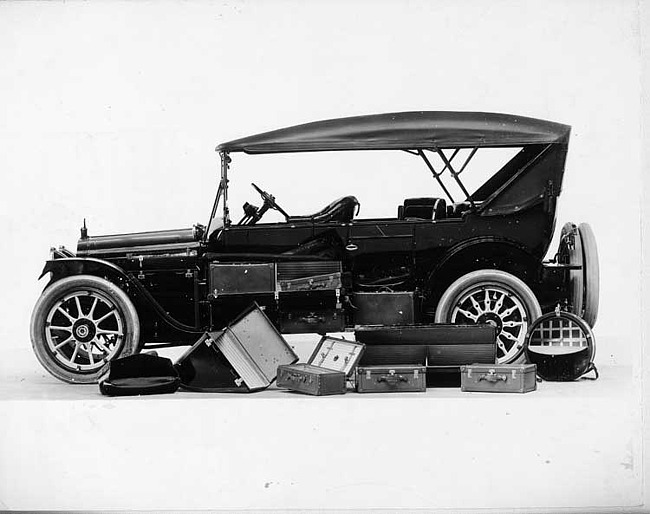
(65, 267)
(68, 266)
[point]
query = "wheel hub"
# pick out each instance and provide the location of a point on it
(491, 318)
(496, 306)
(84, 330)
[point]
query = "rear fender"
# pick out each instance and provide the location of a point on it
(484, 253)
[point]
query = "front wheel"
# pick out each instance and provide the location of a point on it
(496, 298)
(81, 323)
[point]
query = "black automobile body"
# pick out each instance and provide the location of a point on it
(475, 259)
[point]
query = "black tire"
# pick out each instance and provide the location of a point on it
(591, 274)
(571, 252)
(510, 305)
(81, 323)
(578, 248)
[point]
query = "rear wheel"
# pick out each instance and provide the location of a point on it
(492, 297)
(81, 323)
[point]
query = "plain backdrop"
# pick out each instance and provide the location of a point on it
(110, 111)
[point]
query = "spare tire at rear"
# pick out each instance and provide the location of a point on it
(591, 274)
(578, 249)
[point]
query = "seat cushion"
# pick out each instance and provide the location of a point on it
(341, 210)
(428, 209)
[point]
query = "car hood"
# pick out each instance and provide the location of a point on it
(160, 241)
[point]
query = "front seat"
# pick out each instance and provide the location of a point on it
(340, 211)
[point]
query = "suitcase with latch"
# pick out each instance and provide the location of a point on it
(498, 378)
(389, 379)
(326, 371)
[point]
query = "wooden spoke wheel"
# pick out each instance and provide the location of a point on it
(496, 298)
(81, 323)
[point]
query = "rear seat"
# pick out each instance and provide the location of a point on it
(423, 208)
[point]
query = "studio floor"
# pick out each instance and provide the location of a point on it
(567, 445)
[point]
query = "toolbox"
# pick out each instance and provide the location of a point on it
(385, 308)
(498, 378)
(326, 371)
(236, 279)
(244, 357)
(389, 379)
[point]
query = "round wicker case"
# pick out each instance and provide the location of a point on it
(562, 345)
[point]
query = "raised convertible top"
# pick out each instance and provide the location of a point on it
(405, 130)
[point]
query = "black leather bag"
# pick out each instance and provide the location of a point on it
(140, 374)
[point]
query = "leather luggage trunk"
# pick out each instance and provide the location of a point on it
(388, 308)
(391, 379)
(499, 378)
(327, 370)
(308, 379)
(440, 345)
(318, 321)
(244, 357)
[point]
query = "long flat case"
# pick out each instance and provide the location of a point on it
(326, 371)
(391, 379)
(498, 378)
(439, 345)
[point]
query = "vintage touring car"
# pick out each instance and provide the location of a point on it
(478, 258)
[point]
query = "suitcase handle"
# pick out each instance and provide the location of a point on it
(492, 376)
(295, 377)
(312, 319)
(392, 379)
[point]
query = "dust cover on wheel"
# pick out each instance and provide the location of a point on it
(140, 374)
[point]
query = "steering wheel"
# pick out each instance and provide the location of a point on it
(269, 200)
